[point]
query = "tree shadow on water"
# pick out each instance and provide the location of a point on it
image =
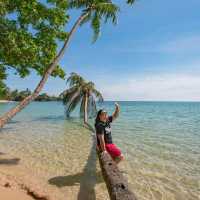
(87, 179)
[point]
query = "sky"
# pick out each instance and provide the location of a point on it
(152, 54)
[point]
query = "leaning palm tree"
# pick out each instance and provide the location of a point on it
(92, 11)
(81, 92)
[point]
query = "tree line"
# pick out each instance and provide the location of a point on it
(16, 95)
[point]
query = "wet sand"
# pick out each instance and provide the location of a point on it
(13, 194)
(18, 182)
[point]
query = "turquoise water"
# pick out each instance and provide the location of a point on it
(160, 140)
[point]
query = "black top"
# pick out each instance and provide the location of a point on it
(104, 128)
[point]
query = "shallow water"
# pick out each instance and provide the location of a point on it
(160, 140)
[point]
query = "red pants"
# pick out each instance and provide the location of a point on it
(112, 149)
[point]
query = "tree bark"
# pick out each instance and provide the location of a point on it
(116, 183)
(86, 109)
(11, 113)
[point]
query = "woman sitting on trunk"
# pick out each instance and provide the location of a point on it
(103, 134)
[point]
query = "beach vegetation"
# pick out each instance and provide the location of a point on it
(81, 93)
(16, 95)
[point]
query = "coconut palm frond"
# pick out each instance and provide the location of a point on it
(75, 80)
(83, 92)
(69, 96)
(108, 11)
(98, 95)
(82, 107)
(88, 86)
(96, 24)
(77, 4)
(96, 10)
(67, 99)
(92, 110)
(73, 105)
(130, 1)
(66, 92)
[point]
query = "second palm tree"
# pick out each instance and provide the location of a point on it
(83, 92)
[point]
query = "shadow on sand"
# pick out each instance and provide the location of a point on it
(12, 161)
(87, 179)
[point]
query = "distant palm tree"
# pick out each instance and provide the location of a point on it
(81, 91)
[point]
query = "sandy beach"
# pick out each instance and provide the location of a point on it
(5, 101)
(18, 182)
(11, 194)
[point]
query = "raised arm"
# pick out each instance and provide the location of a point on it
(116, 112)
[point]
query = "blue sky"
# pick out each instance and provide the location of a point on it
(152, 54)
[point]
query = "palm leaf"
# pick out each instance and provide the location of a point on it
(69, 95)
(97, 10)
(82, 107)
(92, 110)
(108, 10)
(130, 1)
(95, 24)
(75, 79)
(73, 105)
(76, 94)
(65, 92)
(98, 95)
(77, 4)
(89, 85)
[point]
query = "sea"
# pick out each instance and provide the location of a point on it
(160, 142)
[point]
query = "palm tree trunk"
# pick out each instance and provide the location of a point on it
(85, 109)
(11, 113)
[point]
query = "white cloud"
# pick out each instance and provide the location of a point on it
(171, 87)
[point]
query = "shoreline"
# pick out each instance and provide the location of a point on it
(6, 101)
(12, 194)
(12, 188)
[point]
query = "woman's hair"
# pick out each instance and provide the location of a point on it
(98, 116)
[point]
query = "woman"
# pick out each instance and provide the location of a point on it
(103, 133)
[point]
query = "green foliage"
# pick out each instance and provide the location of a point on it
(130, 1)
(15, 95)
(77, 92)
(29, 33)
(19, 95)
(30, 30)
(46, 97)
(98, 10)
(2, 72)
(3, 87)
(3, 90)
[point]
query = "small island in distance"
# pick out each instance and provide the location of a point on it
(16, 95)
